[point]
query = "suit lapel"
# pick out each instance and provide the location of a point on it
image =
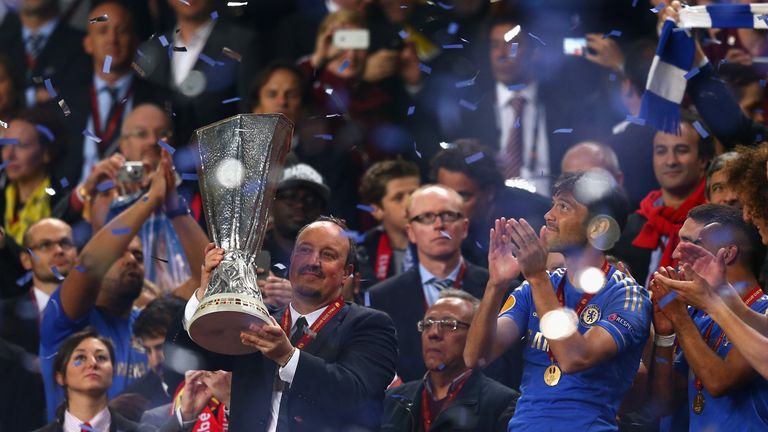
(326, 337)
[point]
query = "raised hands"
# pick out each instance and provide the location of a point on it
(503, 266)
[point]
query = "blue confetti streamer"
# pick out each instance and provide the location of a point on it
(107, 64)
(411, 110)
(354, 235)
(163, 41)
(658, 8)
(325, 137)
(167, 147)
(477, 243)
(90, 135)
(700, 129)
(453, 28)
(762, 83)
(56, 273)
(9, 141)
(49, 87)
(32, 254)
(516, 87)
(403, 34)
(209, 61)
(226, 101)
(636, 120)
(662, 360)
(612, 77)
(80, 268)
(424, 68)
(77, 363)
(517, 122)
(121, 231)
(513, 49)
(189, 176)
(105, 186)
(24, 279)
(365, 208)
(45, 131)
(563, 131)
(474, 158)
(468, 105)
(664, 301)
(214, 15)
(64, 182)
(537, 39)
(445, 6)
(691, 73)
(614, 33)
(465, 83)
(344, 66)
(453, 46)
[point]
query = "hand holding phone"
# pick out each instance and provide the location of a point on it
(351, 38)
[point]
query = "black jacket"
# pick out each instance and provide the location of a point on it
(339, 382)
(118, 424)
(481, 405)
(638, 259)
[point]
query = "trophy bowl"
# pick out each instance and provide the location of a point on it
(241, 162)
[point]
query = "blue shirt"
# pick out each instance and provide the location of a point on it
(129, 365)
(587, 400)
(431, 294)
(742, 409)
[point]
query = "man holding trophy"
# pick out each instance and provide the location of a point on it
(318, 364)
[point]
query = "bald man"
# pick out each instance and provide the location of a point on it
(589, 155)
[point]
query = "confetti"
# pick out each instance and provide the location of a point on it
(189, 176)
(49, 87)
(418, 153)
(56, 273)
(167, 147)
(107, 64)
(24, 279)
(90, 135)
(614, 33)
(105, 186)
(513, 49)
(9, 141)
(563, 131)
(121, 231)
(445, 6)
(279, 266)
(354, 235)
(3, 124)
(50, 191)
(468, 105)
(32, 254)
(403, 34)
(508, 36)
(160, 259)
(664, 301)
(180, 49)
(636, 120)
(411, 110)
(234, 99)
(78, 363)
(700, 129)
(537, 39)
(64, 182)
(80, 268)
(474, 158)
(477, 243)
(658, 8)
(516, 87)
(214, 15)
(465, 83)
(661, 360)
(452, 28)
(103, 18)
(445, 233)
(692, 73)
(237, 4)
(365, 208)
(453, 46)
(424, 68)
(207, 60)
(163, 41)
(344, 66)
(325, 137)
(234, 55)
(184, 2)
(612, 77)
(65, 108)
(45, 131)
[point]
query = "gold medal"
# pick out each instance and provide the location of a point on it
(552, 375)
(698, 403)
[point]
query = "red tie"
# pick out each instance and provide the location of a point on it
(86, 427)
(512, 159)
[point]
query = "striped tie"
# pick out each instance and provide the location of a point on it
(440, 284)
(512, 159)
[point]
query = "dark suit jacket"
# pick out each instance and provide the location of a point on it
(402, 298)
(225, 80)
(10, 40)
(118, 424)
(22, 401)
(481, 405)
(636, 258)
(19, 322)
(339, 382)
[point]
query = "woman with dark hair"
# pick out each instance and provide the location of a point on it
(11, 90)
(28, 192)
(83, 367)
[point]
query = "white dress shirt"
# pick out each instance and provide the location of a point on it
(285, 373)
(99, 423)
(535, 136)
(41, 298)
(182, 62)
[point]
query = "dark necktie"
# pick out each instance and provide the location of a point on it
(34, 44)
(440, 284)
(113, 95)
(283, 422)
(301, 328)
(512, 161)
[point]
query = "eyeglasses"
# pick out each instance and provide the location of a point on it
(48, 245)
(163, 134)
(428, 218)
(450, 324)
(294, 197)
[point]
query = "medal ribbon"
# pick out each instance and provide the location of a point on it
(330, 311)
(115, 116)
(425, 411)
(749, 299)
(383, 257)
(606, 268)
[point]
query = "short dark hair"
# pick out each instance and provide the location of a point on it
(706, 147)
(352, 254)
(261, 80)
(373, 185)
(482, 169)
(598, 192)
(638, 58)
(157, 316)
(737, 77)
(744, 235)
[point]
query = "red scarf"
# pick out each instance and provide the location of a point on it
(665, 221)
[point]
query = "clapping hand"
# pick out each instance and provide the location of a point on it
(503, 266)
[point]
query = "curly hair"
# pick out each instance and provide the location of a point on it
(746, 175)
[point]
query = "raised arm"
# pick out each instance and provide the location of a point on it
(81, 287)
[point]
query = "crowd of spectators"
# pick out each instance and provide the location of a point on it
(446, 154)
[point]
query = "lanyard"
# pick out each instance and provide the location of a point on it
(425, 411)
(383, 257)
(749, 299)
(330, 311)
(606, 268)
(107, 132)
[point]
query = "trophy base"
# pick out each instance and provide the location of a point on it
(219, 319)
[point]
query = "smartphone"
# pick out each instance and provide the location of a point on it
(131, 172)
(263, 261)
(574, 46)
(352, 38)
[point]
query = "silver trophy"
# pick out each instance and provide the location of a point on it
(241, 161)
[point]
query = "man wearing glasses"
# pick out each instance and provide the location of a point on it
(450, 396)
(437, 227)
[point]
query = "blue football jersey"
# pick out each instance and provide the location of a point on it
(587, 400)
(743, 409)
